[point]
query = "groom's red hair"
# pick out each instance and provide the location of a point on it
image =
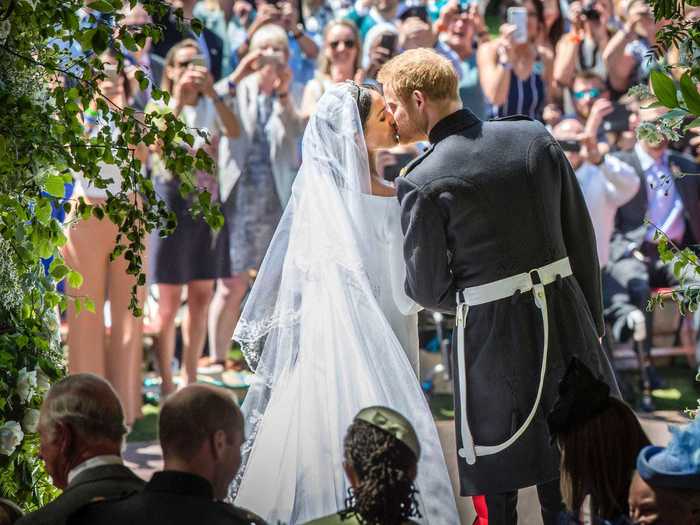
(421, 70)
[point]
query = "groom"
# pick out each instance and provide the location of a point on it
(496, 230)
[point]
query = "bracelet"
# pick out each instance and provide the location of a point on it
(282, 95)
(298, 33)
(219, 98)
(232, 87)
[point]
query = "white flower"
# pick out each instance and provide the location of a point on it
(30, 421)
(11, 436)
(43, 382)
(26, 383)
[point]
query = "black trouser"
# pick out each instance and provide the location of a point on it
(503, 508)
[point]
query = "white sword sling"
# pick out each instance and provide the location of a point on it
(488, 293)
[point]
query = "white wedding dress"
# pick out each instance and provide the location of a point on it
(329, 331)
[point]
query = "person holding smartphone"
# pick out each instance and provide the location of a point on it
(380, 44)
(581, 49)
(515, 70)
(193, 256)
(257, 169)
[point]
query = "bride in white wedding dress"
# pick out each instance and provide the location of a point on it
(328, 329)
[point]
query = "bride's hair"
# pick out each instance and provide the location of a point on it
(363, 98)
(386, 469)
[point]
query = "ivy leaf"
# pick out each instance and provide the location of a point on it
(54, 186)
(75, 280)
(690, 94)
(664, 89)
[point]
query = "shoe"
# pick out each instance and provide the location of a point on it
(656, 382)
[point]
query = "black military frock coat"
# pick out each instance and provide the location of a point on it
(487, 201)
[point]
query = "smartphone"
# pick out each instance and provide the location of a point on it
(570, 145)
(388, 41)
(464, 5)
(618, 120)
(198, 60)
(274, 59)
(518, 17)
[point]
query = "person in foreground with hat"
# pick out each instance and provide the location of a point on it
(599, 437)
(666, 488)
(381, 460)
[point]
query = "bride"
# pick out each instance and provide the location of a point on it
(327, 327)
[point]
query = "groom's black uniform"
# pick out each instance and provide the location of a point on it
(487, 201)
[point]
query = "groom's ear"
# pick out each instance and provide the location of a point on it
(418, 98)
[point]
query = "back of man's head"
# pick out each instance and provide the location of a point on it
(190, 416)
(81, 418)
(421, 70)
(201, 431)
(89, 405)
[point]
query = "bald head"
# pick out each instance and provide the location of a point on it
(191, 416)
(88, 404)
(568, 129)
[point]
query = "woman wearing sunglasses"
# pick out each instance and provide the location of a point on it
(339, 61)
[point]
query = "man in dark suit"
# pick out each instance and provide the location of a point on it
(669, 202)
(81, 429)
(201, 432)
(211, 45)
(496, 230)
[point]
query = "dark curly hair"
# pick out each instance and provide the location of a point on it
(386, 468)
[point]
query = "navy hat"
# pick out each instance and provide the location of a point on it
(412, 9)
(676, 466)
(581, 397)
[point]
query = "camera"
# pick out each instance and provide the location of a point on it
(590, 12)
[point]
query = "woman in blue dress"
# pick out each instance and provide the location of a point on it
(517, 76)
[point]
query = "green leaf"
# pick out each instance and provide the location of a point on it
(89, 305)
(59, 271)
(664, 89)
(102, 6)
(690, 94)
(100, 40)
(43, 211)
(54, 186)
(75, 280)
(694, 124)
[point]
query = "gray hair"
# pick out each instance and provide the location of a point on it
(269, 34)
(89, 405)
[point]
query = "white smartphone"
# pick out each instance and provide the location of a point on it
(518, 17)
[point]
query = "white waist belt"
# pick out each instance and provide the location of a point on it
(487, 293)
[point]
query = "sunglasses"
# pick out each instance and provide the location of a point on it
(349, 44)
(593, 93)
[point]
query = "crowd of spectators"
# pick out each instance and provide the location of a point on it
(253, 76)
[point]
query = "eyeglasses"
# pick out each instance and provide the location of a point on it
(349, 44)
(592, 93)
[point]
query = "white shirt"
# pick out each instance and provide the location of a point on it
(97, 461)
(605, 188)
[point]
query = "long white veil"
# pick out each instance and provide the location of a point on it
(319, 343)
